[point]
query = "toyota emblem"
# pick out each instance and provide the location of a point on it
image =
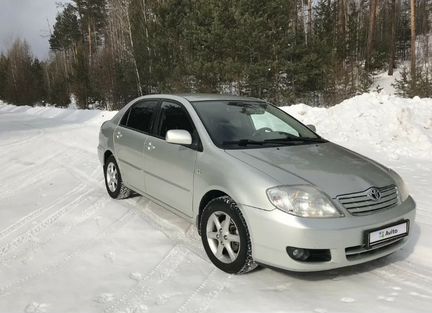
(374, 194)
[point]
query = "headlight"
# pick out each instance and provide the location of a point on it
(402, 188)
(303, 201)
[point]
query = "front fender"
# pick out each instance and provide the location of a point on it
(246, 185)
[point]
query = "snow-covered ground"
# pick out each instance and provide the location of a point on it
(65, 246)
(383, 83)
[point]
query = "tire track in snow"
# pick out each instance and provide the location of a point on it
(136, 295)
(200, 300)
(40, 133)
(42, 225)
(39, 212)
(36, 213)
(412, 270)
(189, 239)
(415, 277)
(52, 157)
(30, 217)
(401, 275)
(38, 245)
(72, 147)
(425, 217)
(19, 184)
(11, 172)
(80, 174)
(56, 266)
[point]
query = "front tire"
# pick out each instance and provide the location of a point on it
(225, 236)
(113, 180)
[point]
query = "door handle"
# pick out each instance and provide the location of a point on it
(119, 135)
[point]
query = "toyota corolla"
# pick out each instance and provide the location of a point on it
(261, 187)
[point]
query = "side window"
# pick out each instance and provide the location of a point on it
(141, 115)
(124, 119)
(174, 116)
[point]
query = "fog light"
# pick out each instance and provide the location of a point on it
(309, 255)
(298, 254)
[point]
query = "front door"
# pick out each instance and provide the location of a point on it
(170, 168)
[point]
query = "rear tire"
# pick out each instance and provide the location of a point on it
(225, 236)
(113, 180)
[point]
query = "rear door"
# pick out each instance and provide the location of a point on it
(129, 139)
(170, 168)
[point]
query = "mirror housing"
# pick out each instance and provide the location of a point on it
(311, 127)
(178, 137)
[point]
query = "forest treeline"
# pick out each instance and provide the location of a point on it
(314, 51)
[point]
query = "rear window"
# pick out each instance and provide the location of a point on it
(140, 116)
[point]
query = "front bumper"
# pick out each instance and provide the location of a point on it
(273, 231)
(101, 152)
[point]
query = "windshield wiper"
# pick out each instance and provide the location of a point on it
(296, 139)
(277, 141)
(244, 142)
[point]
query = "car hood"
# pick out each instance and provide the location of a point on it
(332, 168)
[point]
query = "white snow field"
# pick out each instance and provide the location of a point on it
(65, 246)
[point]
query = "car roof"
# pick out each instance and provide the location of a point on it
(196, 97)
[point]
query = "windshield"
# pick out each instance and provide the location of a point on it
(240, 124)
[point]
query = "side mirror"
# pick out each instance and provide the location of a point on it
(311, 127)
(178, 137)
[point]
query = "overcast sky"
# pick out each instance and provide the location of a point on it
(27, 19)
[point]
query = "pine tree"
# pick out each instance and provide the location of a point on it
(413, 40)
(371, 33)
(318, 52)
(4, 65)
(392, 53)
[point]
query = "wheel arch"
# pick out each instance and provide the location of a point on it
(248, 263)
(107, 154)
(205, 199)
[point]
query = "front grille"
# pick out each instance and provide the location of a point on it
(361, 203)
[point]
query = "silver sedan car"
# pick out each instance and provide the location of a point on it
(261, 187)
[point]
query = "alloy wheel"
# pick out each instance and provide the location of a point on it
(112, 177)
(223, 237)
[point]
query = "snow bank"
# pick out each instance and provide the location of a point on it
(69, 115)
(401, 127)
